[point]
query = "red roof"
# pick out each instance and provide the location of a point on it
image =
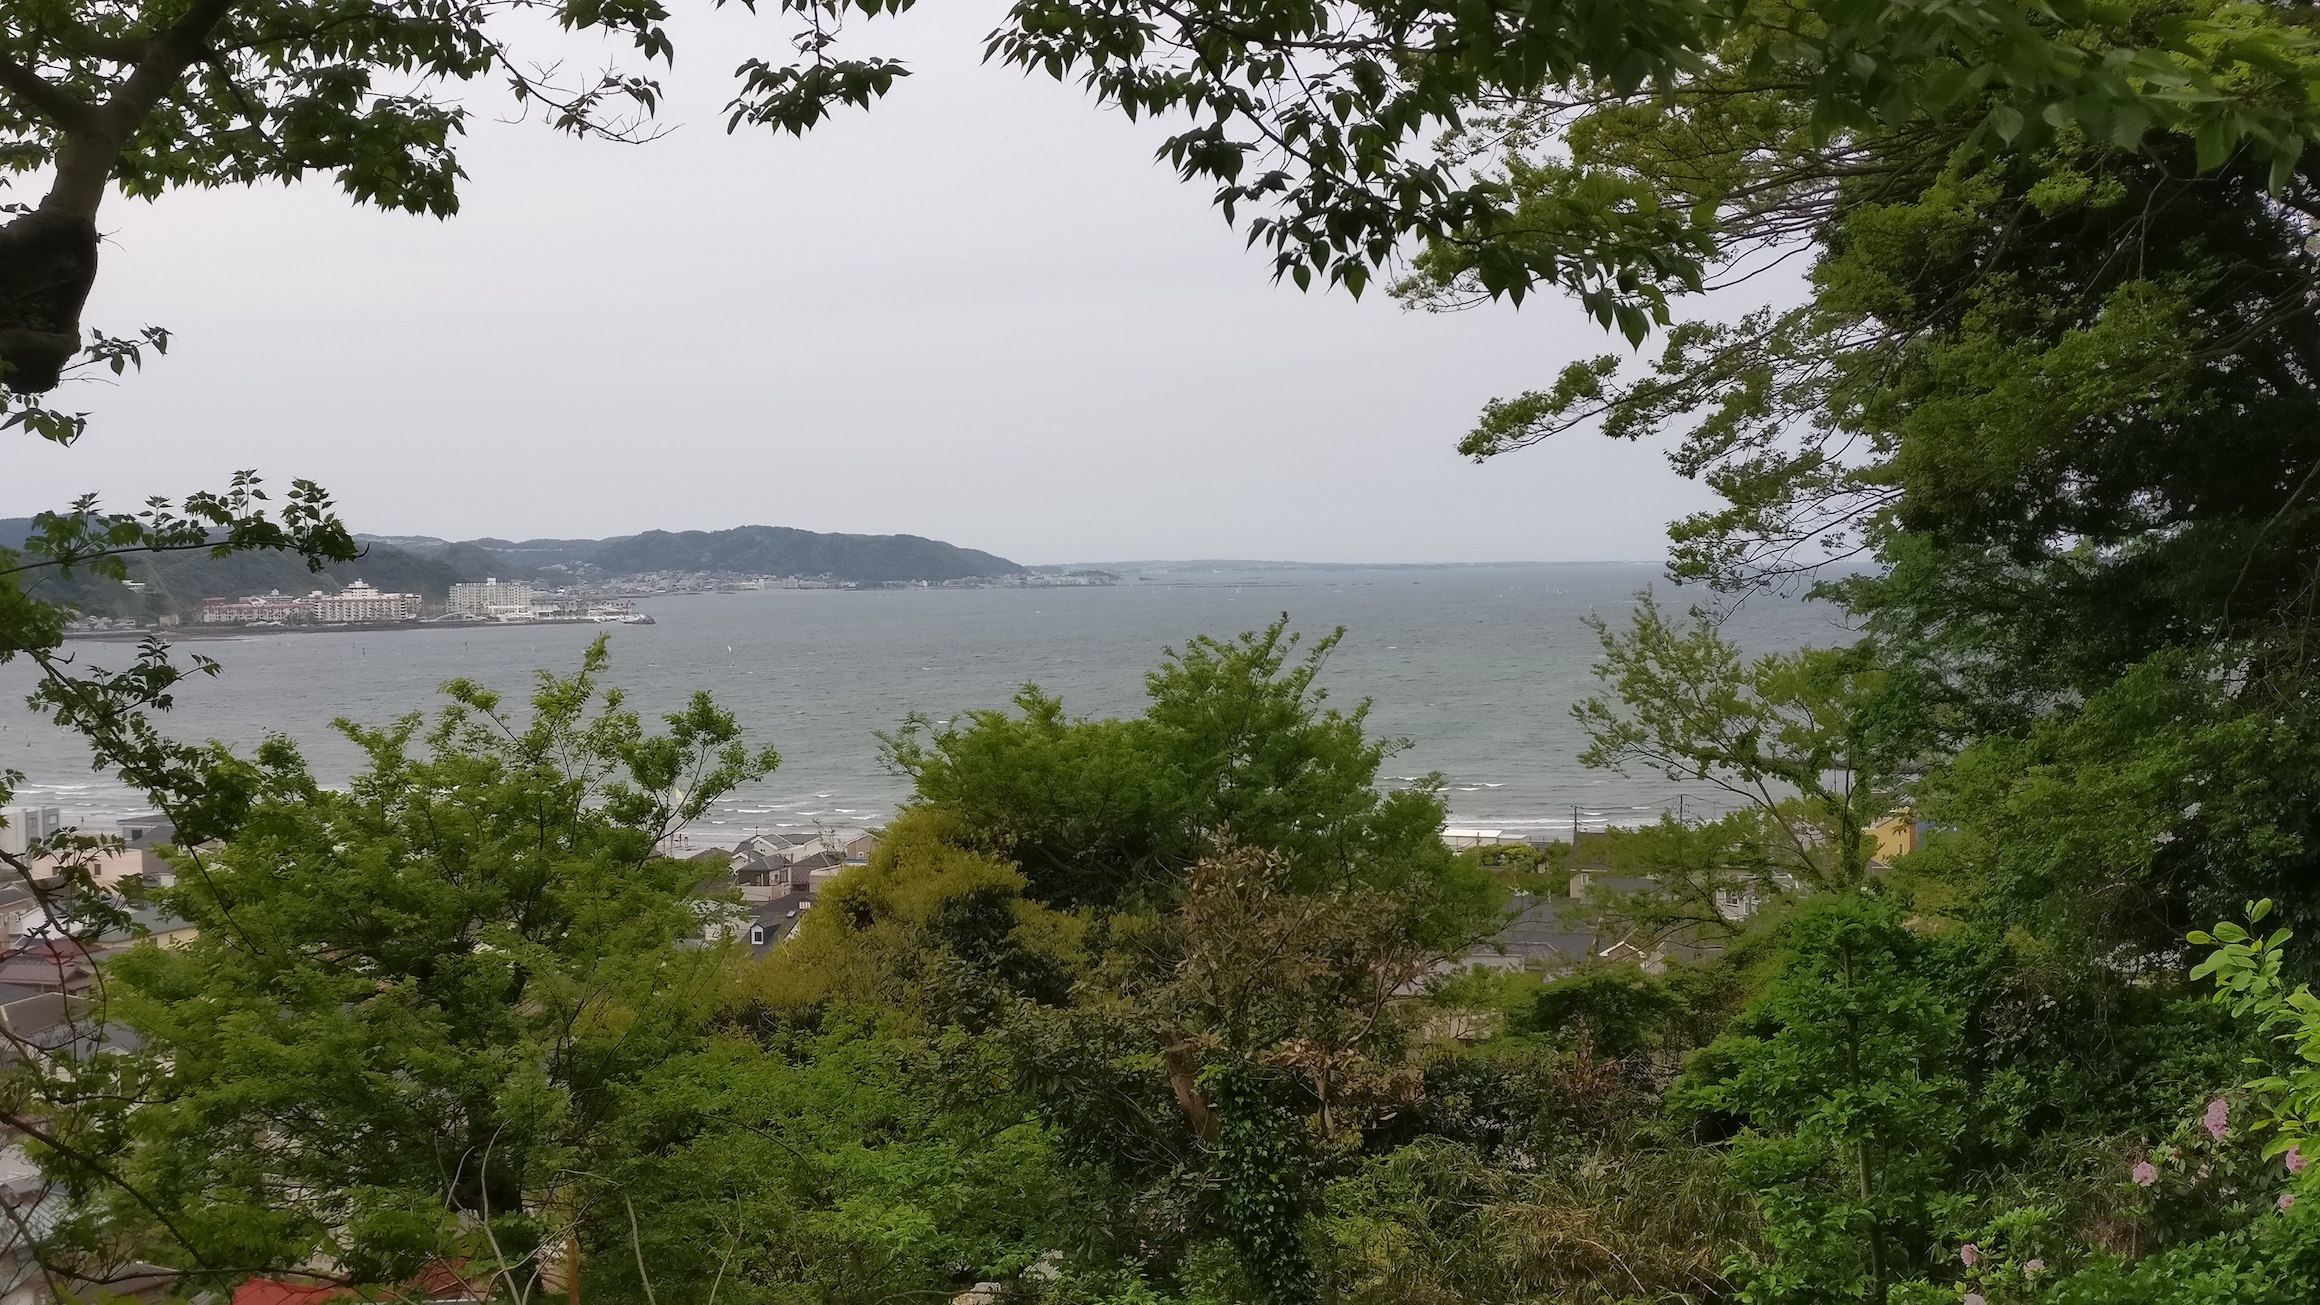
(269, 1291)
(41, 972)
(445, 1281)
(438, 1280)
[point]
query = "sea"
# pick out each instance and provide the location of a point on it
(1477, 667)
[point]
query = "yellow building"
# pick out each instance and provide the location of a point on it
(1895, 835)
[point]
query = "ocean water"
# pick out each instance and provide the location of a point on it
(1476, 666)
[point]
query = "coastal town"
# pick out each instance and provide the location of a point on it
(607, 601)
(366, 605)
(756, 892)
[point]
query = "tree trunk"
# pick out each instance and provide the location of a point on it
(48, 257)
(48, 261)
(1183, 1067)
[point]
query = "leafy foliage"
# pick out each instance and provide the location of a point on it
(833, 1165)
(1847, 1077)
(1142, 1010)
(1236, 745)
(404, 1023)
(1795, 736)
(2246, 969)
(1328, 113)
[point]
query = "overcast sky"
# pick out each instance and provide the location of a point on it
(979, 312)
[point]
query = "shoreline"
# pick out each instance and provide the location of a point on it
(179, 633)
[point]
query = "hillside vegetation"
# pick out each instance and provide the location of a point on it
(1987, 983)
(178, 583)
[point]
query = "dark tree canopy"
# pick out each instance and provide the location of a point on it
(152, 96)
(1325, 116)
(2051, 409)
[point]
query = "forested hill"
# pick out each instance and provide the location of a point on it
(745, 550)
(178, 582)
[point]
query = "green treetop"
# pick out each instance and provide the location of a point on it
(1325, 115)
(1238, 747)
(402, 1027)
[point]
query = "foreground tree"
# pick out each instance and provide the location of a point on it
(1799, 739)
(2061, 397)
(1239, 746)
(1847, 1074)
(148, 96)
(405, 1022)
(1183, 942)
(1327, 114)
(204, 791)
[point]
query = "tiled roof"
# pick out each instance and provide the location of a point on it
(270, 1291)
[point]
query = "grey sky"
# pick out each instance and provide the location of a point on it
(978, 312)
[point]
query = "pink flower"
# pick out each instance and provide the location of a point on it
(2034, 1268)
(2286, 1199)
(2145, 1175)
(1969, 1253)
(1974, 1298)
(2218, 1118)
(2296, 1160)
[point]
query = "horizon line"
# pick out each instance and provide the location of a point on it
(1343, 566)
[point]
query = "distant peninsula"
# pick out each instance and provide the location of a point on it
(742, 551)
(177, 585)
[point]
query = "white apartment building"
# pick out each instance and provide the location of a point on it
(491, 598)
(362, 602)
(26, 825)
(274, 606)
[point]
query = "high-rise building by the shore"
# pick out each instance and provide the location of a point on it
(494, 597)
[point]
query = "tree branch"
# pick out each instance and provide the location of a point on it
(116, 49)
(30, 1127)
(169, 55)
(69, 112)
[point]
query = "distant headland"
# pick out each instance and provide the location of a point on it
(413, 577)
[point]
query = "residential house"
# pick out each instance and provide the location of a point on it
(779, 846)
(50, 966)
(27, 1015)
(20, 911)
(1461, 838)
(816, 870)
(1897, 834)
(764, 917)
(275, 1291)
(105, 867)
(31, 1207)
(760, 855)
(439, 1283)
(771, 921)
(442, 1282)
(28, 1203)
(1545, 933)
(788, 858)
(159, 927)
(148, 831)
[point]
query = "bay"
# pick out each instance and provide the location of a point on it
(1476, 666)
